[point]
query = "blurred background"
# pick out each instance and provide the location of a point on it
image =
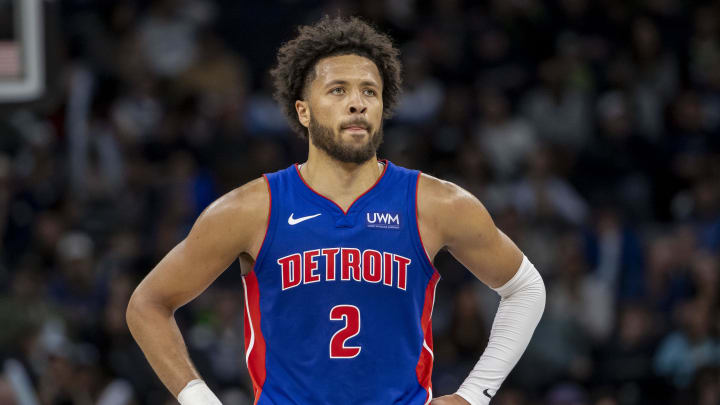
(589, 129)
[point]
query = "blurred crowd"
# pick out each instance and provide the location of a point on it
(589, 129)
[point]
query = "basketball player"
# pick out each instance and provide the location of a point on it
(336, 252)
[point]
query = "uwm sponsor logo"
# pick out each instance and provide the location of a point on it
(382, 220)
(344, 264)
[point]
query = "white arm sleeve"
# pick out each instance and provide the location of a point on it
(196, 392)
(521, 306)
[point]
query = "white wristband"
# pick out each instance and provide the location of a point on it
(196, 392)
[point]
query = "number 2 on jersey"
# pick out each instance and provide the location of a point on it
(351, 315)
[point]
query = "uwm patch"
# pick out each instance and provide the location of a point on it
(382, 220)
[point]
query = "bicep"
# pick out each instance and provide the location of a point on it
(185, 272)
(221, 233)
(474, 240)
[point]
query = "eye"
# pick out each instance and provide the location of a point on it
(337, 91)
(370, 92)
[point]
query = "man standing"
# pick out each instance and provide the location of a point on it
(336, 253)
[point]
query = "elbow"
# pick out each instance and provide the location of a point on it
(133, 311)
(542, 295)
(537, 292)
(537, 297)
(142, 309)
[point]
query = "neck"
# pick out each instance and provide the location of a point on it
(339, 181)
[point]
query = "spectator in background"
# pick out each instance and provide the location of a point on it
(707, 389)
(168, 36)
(655, 78)
(465, 337)
(668, 282)
(5, 195)
(579, 314)
(615, 254)
(578, 297)
(219, 79)
(452, 127)
(506, 141)
(559, 112)
(37, 173)
(706, 211)
(510, 396)
(690, 346)
(24, 311)
(705, 45)
(475, 174)
(423, 95)
(216, 333)
(618, 162)
(263, 117)
(186, 190)
(442, 34)
(624, 362)
(571, 53)
(543, 196)
(705, 273)
(567, 394)
(466, 326)
(137, 112)
(710, 99)
(96, 161)
(689, 142)
(73, 376)
(496, 62)
(7, 395)
(76, 287)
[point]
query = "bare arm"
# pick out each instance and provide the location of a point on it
(451, 217)
(232, 225)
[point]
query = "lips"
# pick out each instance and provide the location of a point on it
(355, 127)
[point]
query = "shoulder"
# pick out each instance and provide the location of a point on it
(446, 208)
(440, 196)
(240, 215)
(250, 199)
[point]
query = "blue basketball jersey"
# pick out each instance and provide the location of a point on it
(338, 304)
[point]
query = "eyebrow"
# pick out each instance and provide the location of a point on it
(344, 82)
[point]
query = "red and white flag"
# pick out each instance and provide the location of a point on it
(9, 59)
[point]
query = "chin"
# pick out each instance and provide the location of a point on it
(349, 139)
(354, 144)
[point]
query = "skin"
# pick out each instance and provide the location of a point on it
(346, 88)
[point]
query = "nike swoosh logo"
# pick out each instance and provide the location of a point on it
(487, 394)
(295, 221)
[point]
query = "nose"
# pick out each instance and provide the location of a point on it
(356, 104)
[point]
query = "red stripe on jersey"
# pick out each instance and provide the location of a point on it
(254, 340)
(425, 362)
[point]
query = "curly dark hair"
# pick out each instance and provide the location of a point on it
(296, 60)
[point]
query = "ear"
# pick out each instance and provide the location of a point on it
(303, 111)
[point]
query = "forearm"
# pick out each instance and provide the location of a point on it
(156, 332)
(521, 306)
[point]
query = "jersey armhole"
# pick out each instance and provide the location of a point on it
(267, 239)
(420, 247)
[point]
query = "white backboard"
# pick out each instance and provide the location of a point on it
(22, 62)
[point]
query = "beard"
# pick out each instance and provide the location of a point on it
(324, 138)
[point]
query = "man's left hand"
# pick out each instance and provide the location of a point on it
(453, 399)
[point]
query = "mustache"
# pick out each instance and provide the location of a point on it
(358, 122)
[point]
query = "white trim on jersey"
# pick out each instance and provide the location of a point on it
(252, 331)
